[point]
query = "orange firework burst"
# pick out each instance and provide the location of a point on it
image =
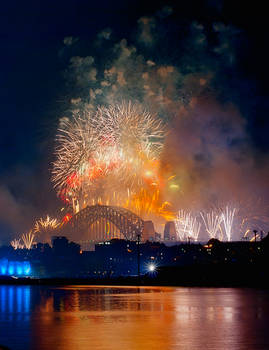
(45, 227)
(109, 157)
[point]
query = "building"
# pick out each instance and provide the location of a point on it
(169, 231)
(148, 233)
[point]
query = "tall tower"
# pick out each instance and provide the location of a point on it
(169, 231)
(148, 233)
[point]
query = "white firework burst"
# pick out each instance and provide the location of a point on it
(227, 219)
(212, 223)
(98, 153)
(187, 226)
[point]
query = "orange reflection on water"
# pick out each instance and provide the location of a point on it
(100, 317)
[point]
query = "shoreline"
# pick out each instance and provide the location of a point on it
(143, 281)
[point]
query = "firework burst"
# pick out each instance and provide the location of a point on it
(110, 157)
(212, 223)
(16, 244)
(44, 228)
(181, 224)
(28, 239)
(227, 220)
(187, 226)
(45, 224)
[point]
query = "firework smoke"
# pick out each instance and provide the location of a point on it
(184, 79)
(208, 154)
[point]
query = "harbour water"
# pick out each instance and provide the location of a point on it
(104, 317)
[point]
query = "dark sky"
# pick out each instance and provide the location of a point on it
(36, 84)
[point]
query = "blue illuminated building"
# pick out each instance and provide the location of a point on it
(15, 268)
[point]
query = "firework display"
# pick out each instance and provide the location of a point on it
(227, 221)
(187, 226)
(45, 224)
(181, 224)
(212, 223)
(28, 239)
(44, 228)
(16, 244)
(110, 157)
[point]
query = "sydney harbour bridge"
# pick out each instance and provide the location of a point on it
(101, 223)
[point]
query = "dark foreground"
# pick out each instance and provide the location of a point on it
(232, 275)
(216, 264)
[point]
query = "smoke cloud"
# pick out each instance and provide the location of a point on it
(192, 81)
(190, 74)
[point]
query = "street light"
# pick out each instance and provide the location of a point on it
(151, 267)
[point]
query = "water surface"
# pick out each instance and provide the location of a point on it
(102, 317)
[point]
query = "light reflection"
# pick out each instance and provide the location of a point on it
(19, 298)
(15, 299)
(144, 318)
(101, 317)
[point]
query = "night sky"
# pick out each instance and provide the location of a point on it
(205, 61)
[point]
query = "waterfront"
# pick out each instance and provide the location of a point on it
(102, 317)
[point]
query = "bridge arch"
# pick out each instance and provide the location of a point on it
(129, 224)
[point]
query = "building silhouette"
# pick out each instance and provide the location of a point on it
(148, 233)
(169, 231)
